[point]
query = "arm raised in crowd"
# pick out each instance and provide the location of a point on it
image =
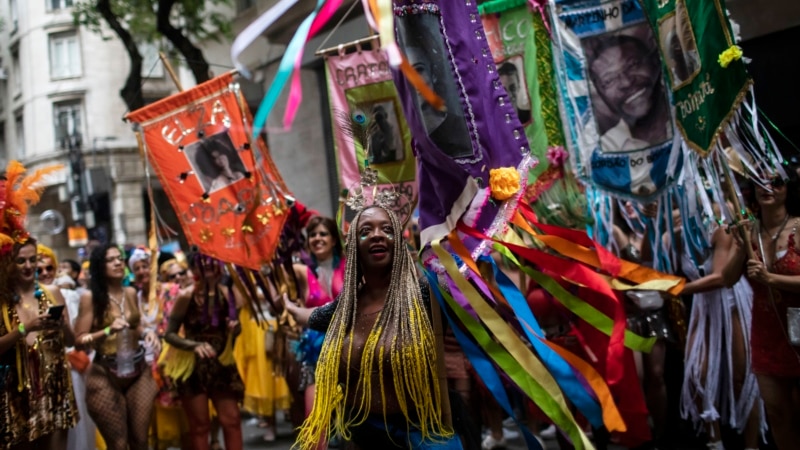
(722, 245)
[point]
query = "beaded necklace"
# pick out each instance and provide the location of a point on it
(10, 318)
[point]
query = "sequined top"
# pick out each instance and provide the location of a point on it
(42, 402)
(772, 354)
(109, 345)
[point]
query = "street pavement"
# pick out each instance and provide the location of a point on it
(254, 438)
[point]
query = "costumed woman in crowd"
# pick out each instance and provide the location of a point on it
(774, 273)
(376, 377)
(319, 284)
(82, 436)
(718, 386)
(37, 404)
(208, 314)
(119, 387)
(172, 427)
(255, 351)
(169, 427)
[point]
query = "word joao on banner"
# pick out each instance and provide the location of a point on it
(229, 197)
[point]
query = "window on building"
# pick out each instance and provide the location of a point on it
(68, 120)
(13, 13)
(19, 135)
(3, 145)
(16, 74)
(65, 55)
(151, 63)
(53, 5)
(242, 5)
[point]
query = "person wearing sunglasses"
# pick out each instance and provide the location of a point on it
(47, 266)
(774, 273)
(83, 435)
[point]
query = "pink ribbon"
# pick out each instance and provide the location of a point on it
(296, 88)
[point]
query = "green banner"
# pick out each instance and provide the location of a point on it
(703, 67)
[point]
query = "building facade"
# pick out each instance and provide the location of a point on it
(60, 104)
(59, 99)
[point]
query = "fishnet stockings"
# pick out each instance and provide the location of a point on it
(121, 412)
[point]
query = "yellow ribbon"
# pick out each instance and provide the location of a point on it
(540, 386)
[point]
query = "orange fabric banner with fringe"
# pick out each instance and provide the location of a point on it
(227, 193)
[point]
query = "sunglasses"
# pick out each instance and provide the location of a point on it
(777, 182)
(44, 269)
(177, 274)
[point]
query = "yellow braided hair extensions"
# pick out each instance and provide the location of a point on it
(402, 330)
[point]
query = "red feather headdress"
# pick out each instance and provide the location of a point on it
(17, 193)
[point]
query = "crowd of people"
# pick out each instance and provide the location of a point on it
(128, 355)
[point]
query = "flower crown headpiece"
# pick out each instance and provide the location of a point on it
(369, 192)
(17, 193)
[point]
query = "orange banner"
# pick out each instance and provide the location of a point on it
(227, 193)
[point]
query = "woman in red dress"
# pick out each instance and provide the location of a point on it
(774, 273)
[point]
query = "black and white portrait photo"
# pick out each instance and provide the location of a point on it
(629, 100)
(512, 74)
(384, 143)
(679, 46)
(215, 161)
(422, 43)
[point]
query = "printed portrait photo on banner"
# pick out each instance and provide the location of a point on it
(629, 100)
(423, 45)
(679, 46)
(215, 161)
(512, 75)
(384, 143)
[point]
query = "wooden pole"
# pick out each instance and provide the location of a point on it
(170, 70)
(748, 246)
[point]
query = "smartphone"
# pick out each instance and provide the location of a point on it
(55, 312)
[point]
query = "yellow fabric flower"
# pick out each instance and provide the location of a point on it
(730, 55)
(504, 182)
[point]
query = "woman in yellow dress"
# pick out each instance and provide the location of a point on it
(265, 388)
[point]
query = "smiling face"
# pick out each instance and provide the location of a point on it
(376, 236)
(320, 243)
(141, 272)
(177, 274)
(625, 76)
(25, 263)
(46, 270)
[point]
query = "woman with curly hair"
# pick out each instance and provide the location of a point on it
(319, 283)
(207, 312)
(119, 387)
(37, 405)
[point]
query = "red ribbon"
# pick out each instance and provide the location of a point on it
(576, 273)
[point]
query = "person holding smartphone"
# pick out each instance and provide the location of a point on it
(37, 405)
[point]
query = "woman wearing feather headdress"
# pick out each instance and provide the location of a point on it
(37, 404)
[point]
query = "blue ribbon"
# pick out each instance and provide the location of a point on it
(563, 373)
(481, 363)
(285, 69)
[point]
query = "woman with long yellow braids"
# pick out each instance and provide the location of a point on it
(376, 376)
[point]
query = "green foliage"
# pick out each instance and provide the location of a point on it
(199, 20)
